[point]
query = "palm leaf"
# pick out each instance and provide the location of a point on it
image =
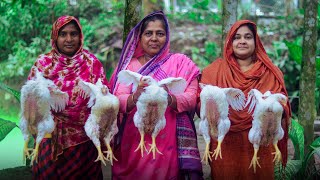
(296, 135)
(14, 92)
(5, 128)
(314, 148)
(289, 172)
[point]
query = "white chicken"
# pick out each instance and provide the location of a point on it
(151, 105)
(102, 121)
(38, 96)
(214, 122)
(266, 124)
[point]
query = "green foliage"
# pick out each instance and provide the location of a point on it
(25, 29)
(296, 135)
(200, 12)
(5, 128)
(295, 51)
(204, 56)
(295, 54)
(14, 92)
(299, 167)
(201, 5)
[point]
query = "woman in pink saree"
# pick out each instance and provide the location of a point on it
(68, 153)
(146, 51)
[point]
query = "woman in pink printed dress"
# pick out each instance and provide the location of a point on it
(146, 51)
(68, 153)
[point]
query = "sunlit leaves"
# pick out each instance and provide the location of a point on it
(5, 128)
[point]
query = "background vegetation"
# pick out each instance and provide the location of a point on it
(196, 30)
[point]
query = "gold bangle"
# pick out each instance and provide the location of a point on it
(133, 99)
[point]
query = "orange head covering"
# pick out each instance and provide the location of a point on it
(264, 76)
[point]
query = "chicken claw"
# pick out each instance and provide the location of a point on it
(217, 151)
(26, 151)
(277, 155)
(100, 157)
(206, 155)
(34, 154)
(141, 145)
(254, 161)
(110, 155)
(154, 148)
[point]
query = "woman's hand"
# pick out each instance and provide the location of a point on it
(133, 98)
(172, 100)
(137, 93)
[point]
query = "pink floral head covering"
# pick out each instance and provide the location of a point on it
(58, 24)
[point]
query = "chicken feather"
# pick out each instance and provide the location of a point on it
(38, 96)
(102, 121)
(214, 121)
(151, 105)
(267, 112)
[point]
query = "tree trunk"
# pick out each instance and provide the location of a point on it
(151, 6)
(131, 16)
(229, 17)
(300, 4)
(289, 7)
(307, 109)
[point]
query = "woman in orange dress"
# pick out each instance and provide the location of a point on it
(245, 66)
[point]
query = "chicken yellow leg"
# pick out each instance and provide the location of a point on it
(100, 157)
(254, 160)
(35, 153)
(141, 145)
(154, 148)
(277, 155)
(110, 155)
(26, 150)
(217, 151)
(207, 154)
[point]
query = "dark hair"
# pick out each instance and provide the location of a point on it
(71, 22)
(252, 29)
(152, 18)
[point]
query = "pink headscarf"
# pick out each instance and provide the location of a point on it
(132, 49)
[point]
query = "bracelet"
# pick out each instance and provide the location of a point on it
(132, 98)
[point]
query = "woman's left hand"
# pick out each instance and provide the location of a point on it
(172, 100)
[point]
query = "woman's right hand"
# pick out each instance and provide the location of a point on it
(137, 93)
(133, 98)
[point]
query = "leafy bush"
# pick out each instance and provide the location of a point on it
(26, 26)
(299, 167)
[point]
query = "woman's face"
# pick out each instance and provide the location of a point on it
(243, 44)
(68, 41)
(153, 38)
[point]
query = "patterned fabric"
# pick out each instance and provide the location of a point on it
(66, 72)
(188, 153)
(77, 162)
(264, 76)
